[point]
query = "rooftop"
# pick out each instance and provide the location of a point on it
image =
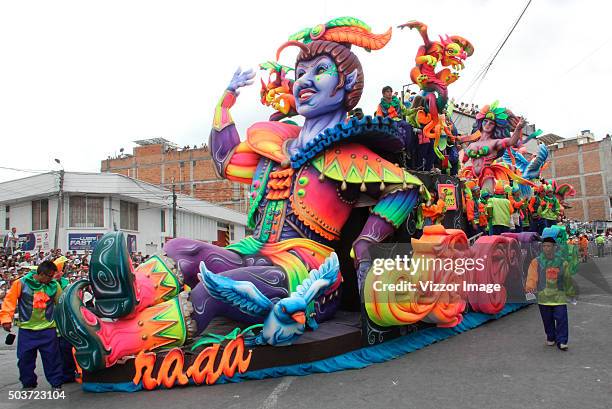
(47, 185)
(154, 141)
(549, 138)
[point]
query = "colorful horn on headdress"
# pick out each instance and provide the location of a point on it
(348, 30)
(301, 46)
(445, 40)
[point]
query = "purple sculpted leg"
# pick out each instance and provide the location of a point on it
(270, 280)
(188, 253)
(375, 231)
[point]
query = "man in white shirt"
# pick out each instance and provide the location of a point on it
(11, 242)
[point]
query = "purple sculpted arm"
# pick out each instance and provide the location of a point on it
(224, 137)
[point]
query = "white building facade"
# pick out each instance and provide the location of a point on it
(96, 203)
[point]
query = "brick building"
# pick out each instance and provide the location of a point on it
(190, 170)
(585, 164)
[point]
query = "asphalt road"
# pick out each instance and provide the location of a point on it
(502, 364)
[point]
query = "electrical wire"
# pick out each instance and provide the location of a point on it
(484, 71)
(26, 170)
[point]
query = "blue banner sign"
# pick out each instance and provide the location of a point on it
(83, 241)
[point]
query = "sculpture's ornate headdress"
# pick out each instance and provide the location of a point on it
(343, 30)
(504, 119)
(335, 38)
(495, 113)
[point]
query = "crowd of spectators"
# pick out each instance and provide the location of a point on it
(468, 109)
(203, 146)
(15, 264)
(169, 148)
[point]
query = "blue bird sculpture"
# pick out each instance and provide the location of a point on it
(285, 320)
(530, 169)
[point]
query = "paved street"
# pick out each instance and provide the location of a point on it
(503, 364)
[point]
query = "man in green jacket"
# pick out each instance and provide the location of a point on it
(549, 276)
(499, 209)
(34, 296)
(549, 207)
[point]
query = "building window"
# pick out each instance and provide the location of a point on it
(7, 220)
(163, 221)
(194, 163)
(86, 211)
(129, 215)
(40, 214)
(227, 228)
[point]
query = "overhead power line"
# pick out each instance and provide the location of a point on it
(27, 170)
(482, 73)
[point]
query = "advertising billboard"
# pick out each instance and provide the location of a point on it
(83, 241)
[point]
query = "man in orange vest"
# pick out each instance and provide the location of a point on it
(34, 296)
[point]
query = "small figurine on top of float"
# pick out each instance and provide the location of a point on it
(428, 109)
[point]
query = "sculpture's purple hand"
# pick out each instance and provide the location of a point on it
(224, 136)
(241, 79)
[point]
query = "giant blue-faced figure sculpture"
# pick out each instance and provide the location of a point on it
(304, 182)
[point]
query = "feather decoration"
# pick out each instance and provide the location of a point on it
(319, 279)
(349, 30)
(347, 21)
(273, 65)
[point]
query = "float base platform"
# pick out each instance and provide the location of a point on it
(336, 345)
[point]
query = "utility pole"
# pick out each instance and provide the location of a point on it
(60, 208)
(173, 210)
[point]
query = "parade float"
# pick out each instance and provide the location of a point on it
(328, 199)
